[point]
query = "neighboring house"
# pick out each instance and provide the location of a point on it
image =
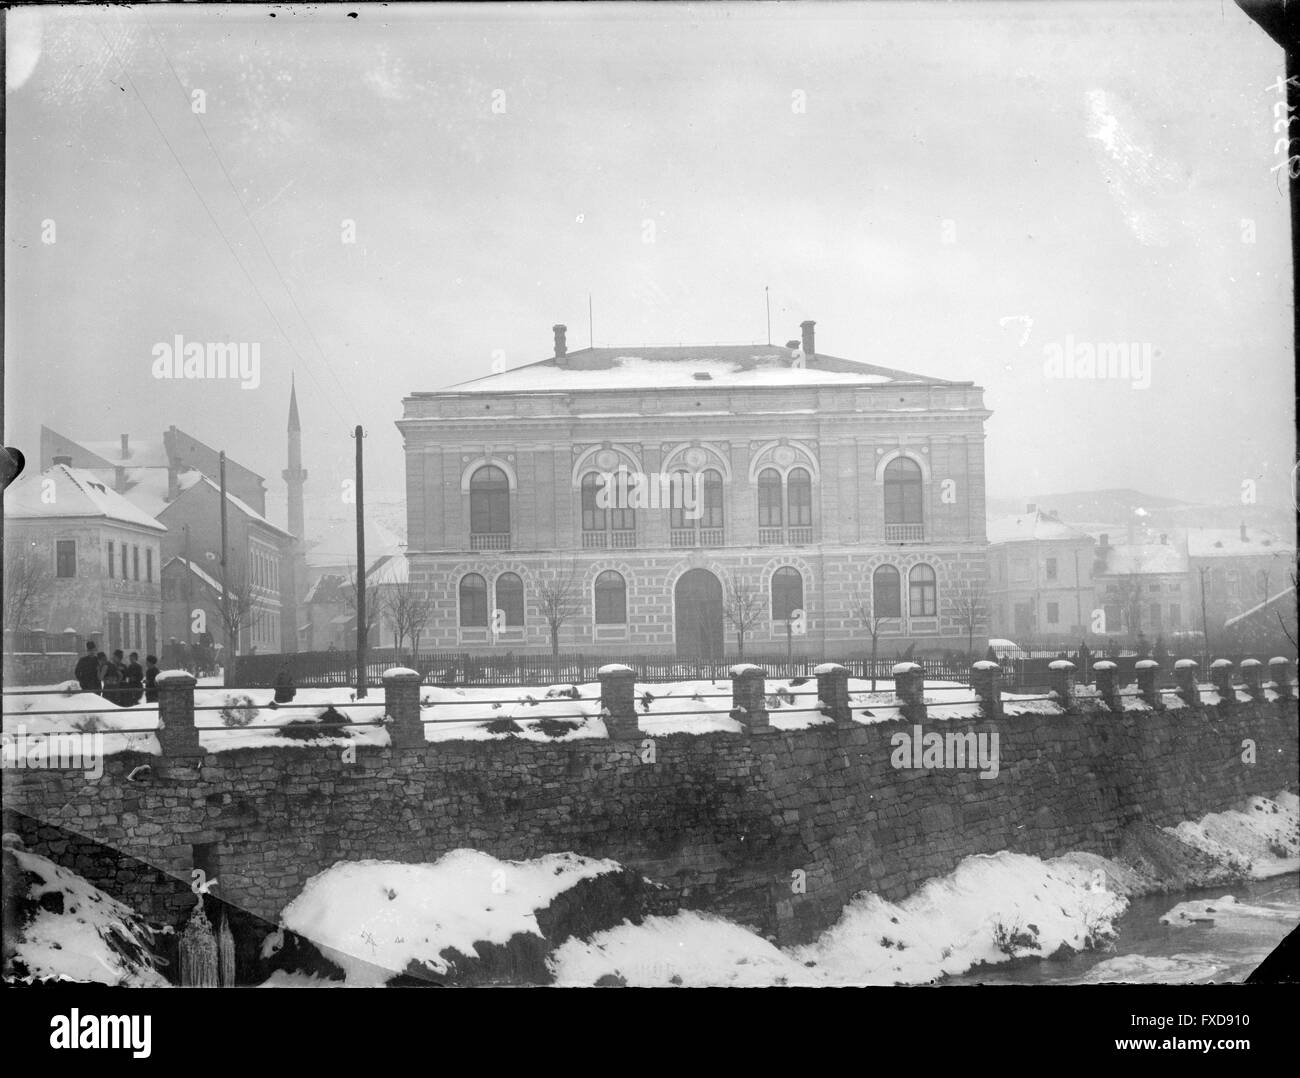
(1144, 588)
(258, 554)
(1040, 578)
(828, 489)
(1240, 568)
(188, 590)
(330, 621)
(100, 557)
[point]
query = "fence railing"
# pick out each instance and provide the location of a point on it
(323, 668)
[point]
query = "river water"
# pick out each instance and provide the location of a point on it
(1220, 946)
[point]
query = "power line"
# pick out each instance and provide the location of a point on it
(248, 216)
(215, 224)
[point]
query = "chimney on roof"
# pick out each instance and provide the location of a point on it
(1243, 531)
(64, 460)
(119, 479)
(126, 448)
(173, 483)
(561, 347)
(809, 345)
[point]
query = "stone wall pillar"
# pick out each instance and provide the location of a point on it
(1221, 676)
(833, 692)
(1147, 671)
(909, 687)
(1061, 673)
(986, 680)
(1108, 684)
(402, 706)
(749, 697)
(1185, 675)
(1279, 674)
(177, 735)
(618, 701)
(1252, 673)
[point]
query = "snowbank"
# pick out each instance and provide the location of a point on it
(1260, 839)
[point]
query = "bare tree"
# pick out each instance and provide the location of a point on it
(1130, 600)
(864, 609)
(27, 583)
(972, 610)
(236, 613)
(744, 606)
(409, 609)
(560, 601)
(372, 608)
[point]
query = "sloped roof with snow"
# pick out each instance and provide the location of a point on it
(196, 478)
(75, 493)
(1139, 558)
(669, 367)
(1036, 526)
(390, 569)
(204, 576)
(141, 452)
(1228, 543)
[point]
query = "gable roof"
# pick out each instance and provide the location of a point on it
(675, 366)
(1228, 543)
(190, 566)
(76, 493)
(198, 479)
(1142, 558)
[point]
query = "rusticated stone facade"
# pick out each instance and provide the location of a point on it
(738, 413)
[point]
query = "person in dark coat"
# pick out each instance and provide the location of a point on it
(133, 681)
(284, 687)
(112, 679)
(151, 679)
(87, 669)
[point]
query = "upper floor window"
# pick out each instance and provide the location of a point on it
(123, 561)
(769, 498)
(489, 502)
(473, 601)
(787, 593)
(885, 591)
(65, 557)
(799, 494)
(135, 561)
(148, 564)
(611, 598)
(921, 592)
(510, 598)
(697, 504)
(112, 571)
(902, 491)
(1051, 568)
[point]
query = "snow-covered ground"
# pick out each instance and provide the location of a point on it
(1260, 840)
(78, 932)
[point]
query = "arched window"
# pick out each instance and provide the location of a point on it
(489, 502)
(473, 601)
(769, 498)
(711, 515)
(799, 492)
(902, 491)
(787, 592)
(594, 518)
(921, 592)
(611, 599)
(885, 593)
(510, 598)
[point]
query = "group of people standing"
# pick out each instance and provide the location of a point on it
(119, 680)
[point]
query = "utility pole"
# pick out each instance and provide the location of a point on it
(359, 434)
(225, 585)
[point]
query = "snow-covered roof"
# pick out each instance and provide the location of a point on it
(198, 477)
(1036, 526)
(76, 493)
(338, 545)
(147, 487)
(1125, 560)
(1228, 543)
(1260, 606)
(141, 452)
(203, 575)
(390, 569)
(729, 365)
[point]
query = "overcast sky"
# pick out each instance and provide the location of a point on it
(963, 187)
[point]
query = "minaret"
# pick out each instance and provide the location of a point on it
(294, 477)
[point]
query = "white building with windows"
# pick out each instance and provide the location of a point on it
(1040, 579)
(822, 494)
(91, 559)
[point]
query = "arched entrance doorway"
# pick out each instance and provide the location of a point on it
(698, 602)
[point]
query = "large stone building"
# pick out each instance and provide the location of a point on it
(830, 493)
